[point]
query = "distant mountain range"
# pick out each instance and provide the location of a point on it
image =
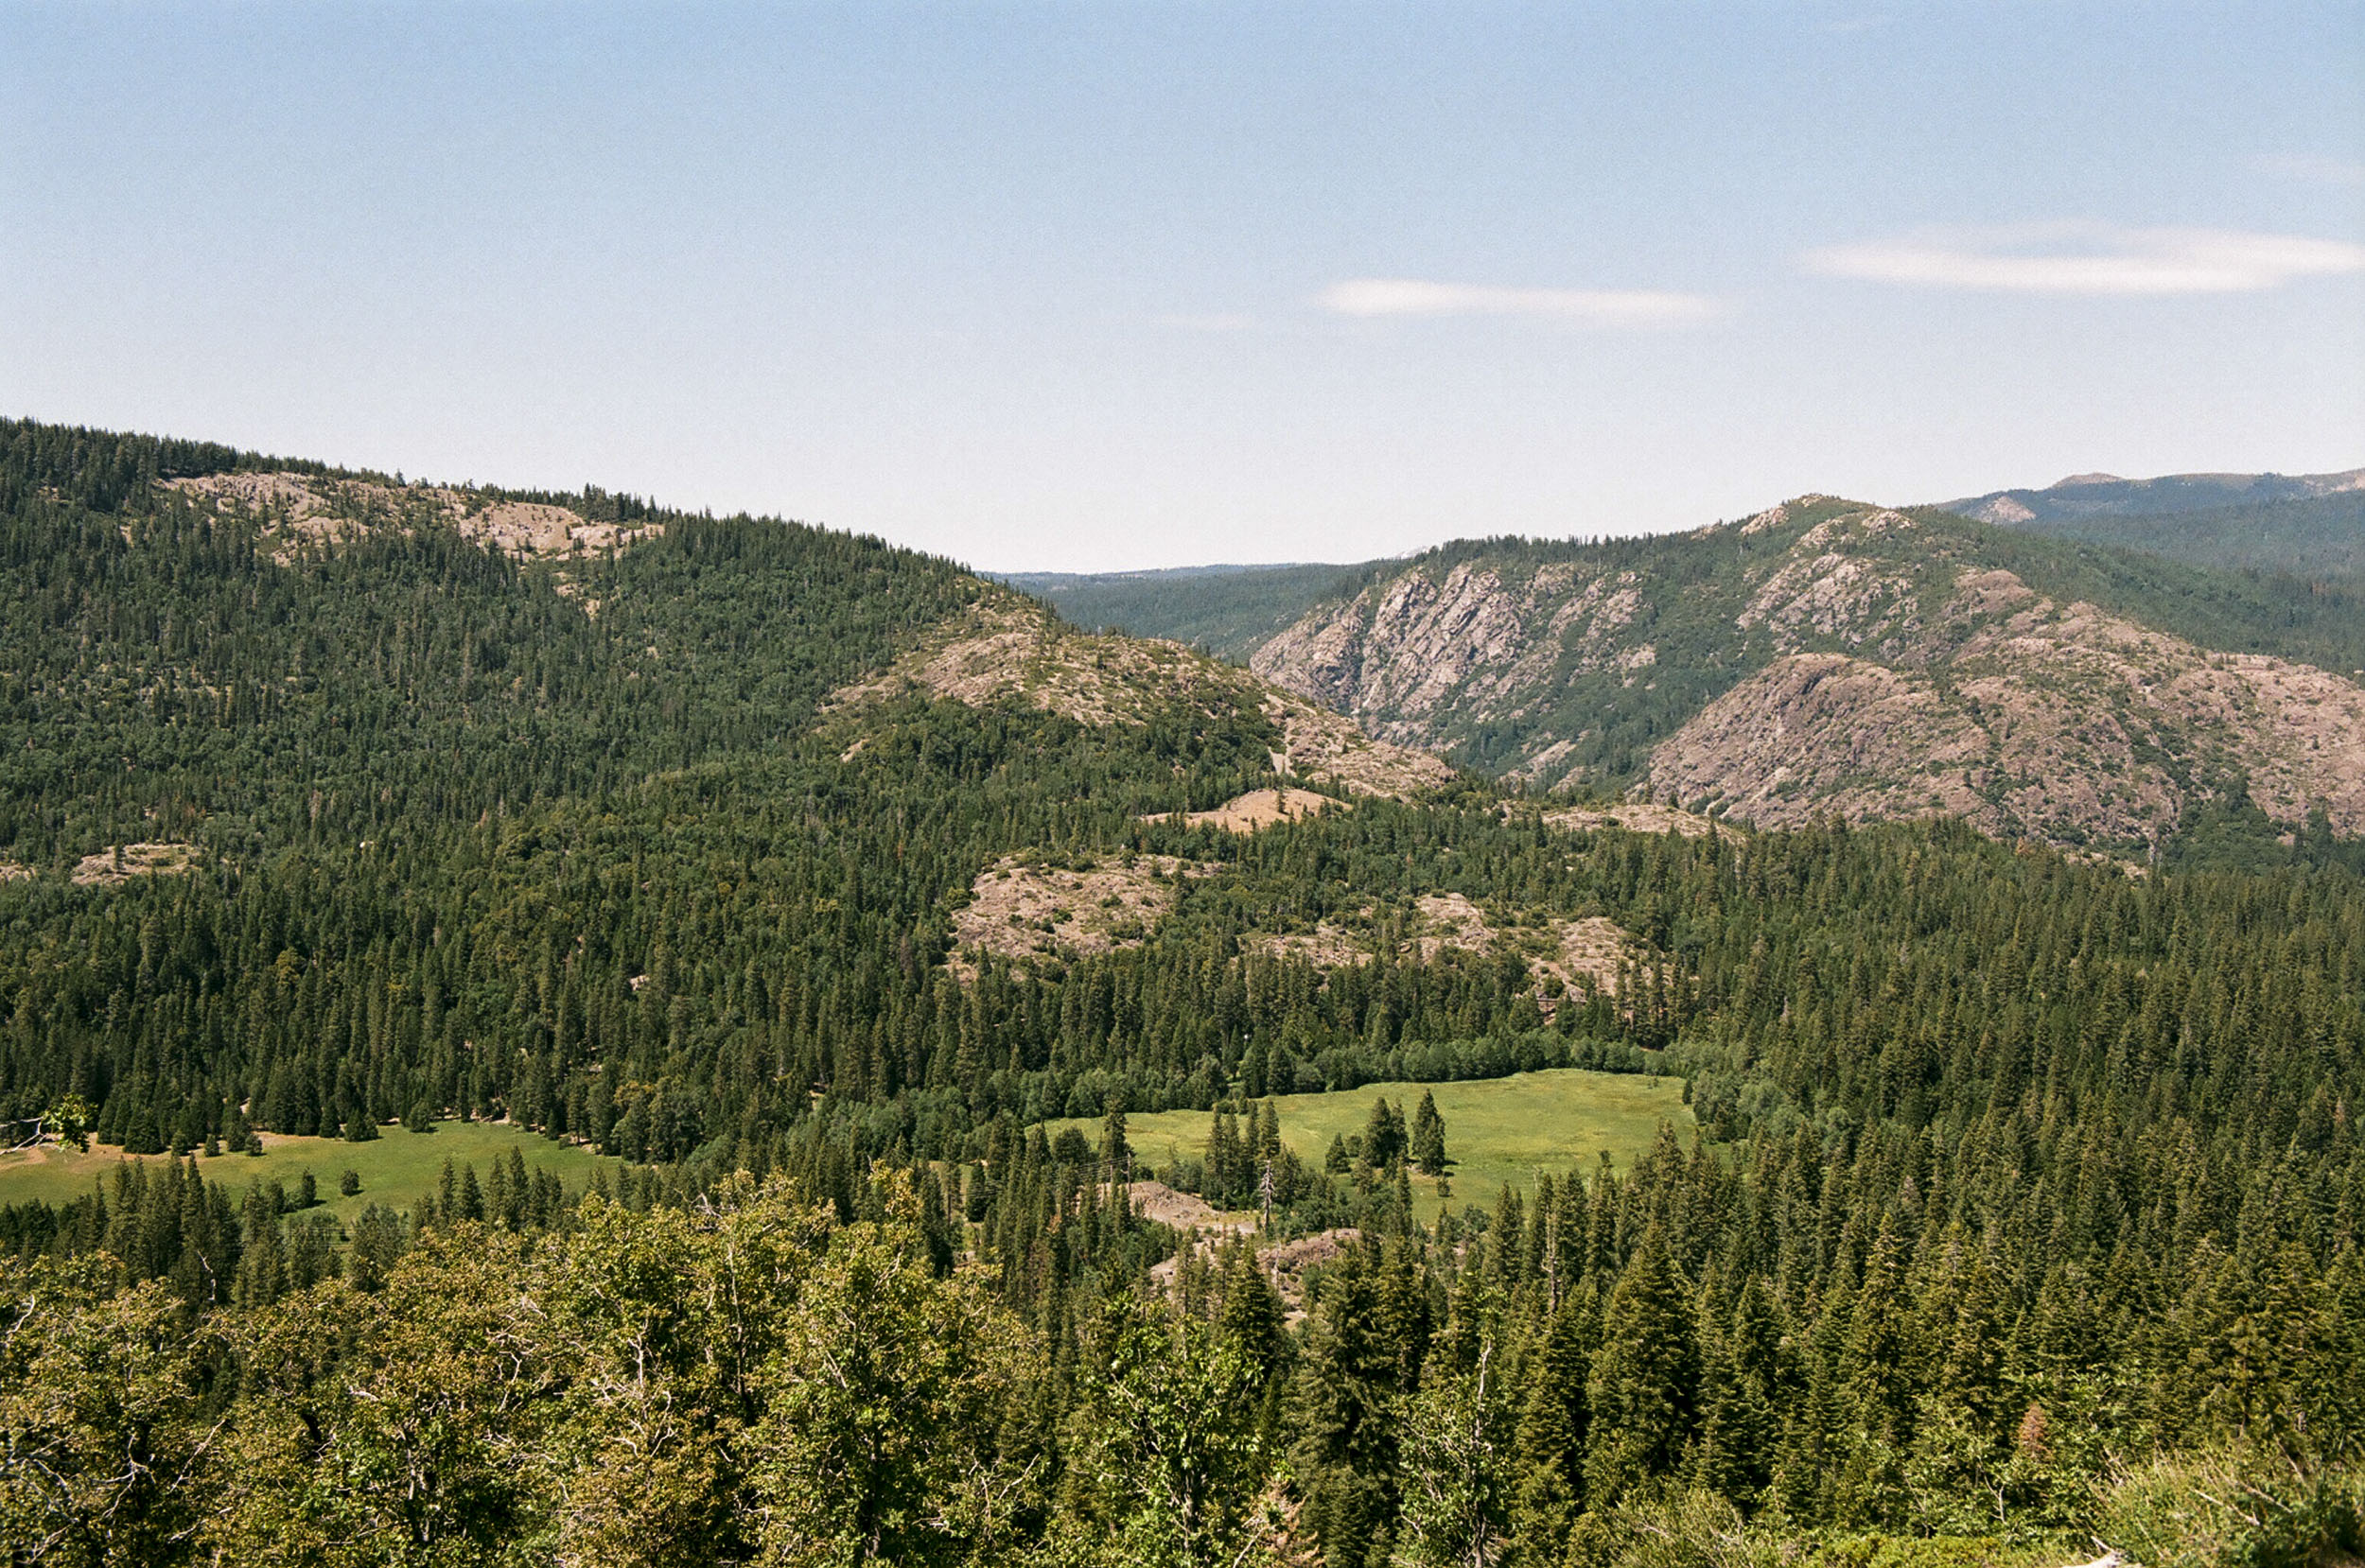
(2309, 524)
(2086, 495)
(1229, 611)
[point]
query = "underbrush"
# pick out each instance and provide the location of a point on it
(2218, 1510)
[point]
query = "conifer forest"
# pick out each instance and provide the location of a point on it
(2014, 1218)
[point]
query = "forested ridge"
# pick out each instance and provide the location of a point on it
(2025, 1211)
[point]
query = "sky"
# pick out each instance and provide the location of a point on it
(1106, 286)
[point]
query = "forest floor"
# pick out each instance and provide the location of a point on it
(397, 1168)
(1499, 1131)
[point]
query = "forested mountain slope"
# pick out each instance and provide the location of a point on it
(2319, 537)
(812, 877)
(2083, 497)
(2305, 526)
(252, 694)
(1229, 611)
(1827, 655)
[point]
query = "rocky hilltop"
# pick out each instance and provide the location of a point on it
(1006, 646)
(1830, 657)
(1000, 645)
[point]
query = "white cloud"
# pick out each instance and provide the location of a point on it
(1616, 308)
(2092, 258)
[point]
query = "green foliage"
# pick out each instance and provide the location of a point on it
(1428, 1146)
(1169, 1443)
(2011, 1177)
(1457, 1472)
(1230, 612)
(96, 1387)
(2237, 1510)
(2310, 539)
(1645, 1385)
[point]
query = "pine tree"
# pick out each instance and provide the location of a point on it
(1428, 1137)
(1641, 1395)
(1551, 1439)
(1383, 1137)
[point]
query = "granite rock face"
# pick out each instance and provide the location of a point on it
(1826, 658)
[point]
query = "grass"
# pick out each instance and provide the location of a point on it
(397, 1168)
(1499, 1131)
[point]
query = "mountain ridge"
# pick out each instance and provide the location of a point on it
(2166, 494)
(1827, 655)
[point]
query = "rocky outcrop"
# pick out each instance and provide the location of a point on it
(1829, 657)
(2050, 720)
(1418, 657)
(1006, 646)
(299, 507)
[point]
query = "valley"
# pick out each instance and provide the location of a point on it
(1954, 935)
(1501, 1133)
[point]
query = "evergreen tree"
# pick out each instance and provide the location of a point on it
(1640, 1399)
(1428, 1137)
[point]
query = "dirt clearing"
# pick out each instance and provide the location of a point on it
(1018, 910)
(1257, 809)
(111, 867)
(1642, 817)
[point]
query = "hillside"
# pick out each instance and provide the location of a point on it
(827, 909)
(2317, 537)
(2083, 497)
(230, 685)
(1827, 655)
(1229, 610)
(2307, 526)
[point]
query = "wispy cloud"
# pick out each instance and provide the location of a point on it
(1604, 307)
(2092, 258)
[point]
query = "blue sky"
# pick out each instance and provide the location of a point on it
(1106, 286)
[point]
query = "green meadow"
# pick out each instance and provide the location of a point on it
(396, 1168)
(1499, 1131)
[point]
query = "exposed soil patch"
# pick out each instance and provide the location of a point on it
(302, 507)
(1591, 951)
(1319, 745)
(1258, 809)
(1016, 910)
(1007, 645)
(1285, 1263)
(1326, 946)
(1162, 1204)
(11, 872)
(1323, 1246)
(1580, 955)
(1642, 817)
(1450, 920)
(111, 867)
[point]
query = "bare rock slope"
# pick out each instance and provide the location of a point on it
(1825, 657)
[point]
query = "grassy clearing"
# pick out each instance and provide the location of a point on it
(1498, 1131)
(397, 1168)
